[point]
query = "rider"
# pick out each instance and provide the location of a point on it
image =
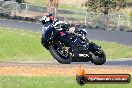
(49, 22)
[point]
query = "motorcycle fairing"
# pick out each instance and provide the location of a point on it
(73, 41)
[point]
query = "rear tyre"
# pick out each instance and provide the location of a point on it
(59, 57)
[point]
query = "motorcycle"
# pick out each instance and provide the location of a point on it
(68, 47)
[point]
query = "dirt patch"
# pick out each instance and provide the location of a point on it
(30, 14)
(60, 71)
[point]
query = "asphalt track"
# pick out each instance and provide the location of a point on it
(111, 36)
(109, 63)
(121, 37)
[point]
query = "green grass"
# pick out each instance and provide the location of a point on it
(69, 7)
(79, 17)
(62, 5)
(38, 2)
(114, 50)
(17, 45)
(50, 82)
(21, 45)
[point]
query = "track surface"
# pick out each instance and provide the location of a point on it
(109, 63)
(111, 36)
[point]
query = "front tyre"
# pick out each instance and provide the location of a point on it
(60, 58)
(98, 58)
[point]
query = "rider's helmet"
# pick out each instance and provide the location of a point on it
(48, 18)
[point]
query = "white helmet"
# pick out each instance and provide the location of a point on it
(49, 18)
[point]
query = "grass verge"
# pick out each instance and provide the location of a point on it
(72, 5)
(21, 45)
(50, 82)
(18, 45)
(114, 50)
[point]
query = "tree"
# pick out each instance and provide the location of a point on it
(104, 6)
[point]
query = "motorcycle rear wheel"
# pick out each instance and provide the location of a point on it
(60, 58)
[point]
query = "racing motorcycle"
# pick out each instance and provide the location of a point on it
(68, 47)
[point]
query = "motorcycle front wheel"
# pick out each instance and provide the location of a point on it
(98, 58)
